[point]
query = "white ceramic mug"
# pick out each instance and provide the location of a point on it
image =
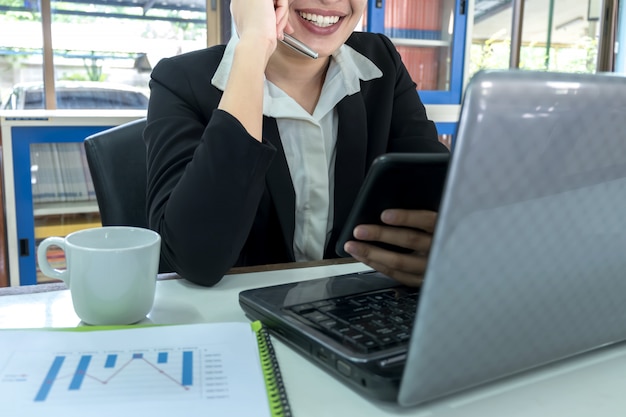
(111, 272)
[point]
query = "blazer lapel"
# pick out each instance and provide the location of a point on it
(349, 163)
(280, 186)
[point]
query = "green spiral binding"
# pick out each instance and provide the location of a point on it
(279, 404)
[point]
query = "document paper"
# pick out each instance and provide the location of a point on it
(196, 370)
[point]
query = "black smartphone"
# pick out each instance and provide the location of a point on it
(396, 180)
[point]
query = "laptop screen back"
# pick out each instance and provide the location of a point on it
(528, 260)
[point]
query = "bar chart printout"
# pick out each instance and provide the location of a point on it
(149, 379)
(107, 369)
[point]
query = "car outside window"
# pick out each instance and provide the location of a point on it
(78, 97)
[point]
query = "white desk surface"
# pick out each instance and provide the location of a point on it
(589, 385)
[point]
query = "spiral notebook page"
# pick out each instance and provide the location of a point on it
(153, 371)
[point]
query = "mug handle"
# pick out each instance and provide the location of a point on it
(42, 258)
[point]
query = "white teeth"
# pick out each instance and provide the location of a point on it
(321, 21)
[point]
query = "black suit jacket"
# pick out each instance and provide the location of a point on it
(219, 198)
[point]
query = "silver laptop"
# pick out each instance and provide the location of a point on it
(528, 263)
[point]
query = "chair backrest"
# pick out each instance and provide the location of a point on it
(117, 163)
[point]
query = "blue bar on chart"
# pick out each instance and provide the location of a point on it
(46, 385)
(81, 370)
(110, 361)
(187, 368)
(162, 357)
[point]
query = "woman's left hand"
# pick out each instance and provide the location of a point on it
(410, 229)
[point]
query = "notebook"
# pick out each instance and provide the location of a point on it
(227, 368)
(528, 259)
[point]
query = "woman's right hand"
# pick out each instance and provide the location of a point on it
(261, 19)
(259, 24)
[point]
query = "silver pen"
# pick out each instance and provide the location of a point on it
(298, 46)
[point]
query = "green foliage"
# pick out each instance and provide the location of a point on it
(20, 16)
(492, 54)
(73, 77)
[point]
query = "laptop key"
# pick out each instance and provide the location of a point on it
(323, 303)
(327, 308)
(397, 319)
(371, 344)
(402, 337)
(302, 308)
(364, 344)
(361, 318)
(315, 316)
(328, 324)
(386, 340)
(385, 331)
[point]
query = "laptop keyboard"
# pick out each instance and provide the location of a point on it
(366, 322)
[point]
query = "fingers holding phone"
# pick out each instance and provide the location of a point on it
(398, 248)
(391, 224)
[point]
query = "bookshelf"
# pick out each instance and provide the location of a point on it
(47, 186)
(430, 35)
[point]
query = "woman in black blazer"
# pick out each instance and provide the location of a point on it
(229, 157)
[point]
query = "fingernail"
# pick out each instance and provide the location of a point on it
(348, 247)
(388, 216)
(351, 248)
(361, 233)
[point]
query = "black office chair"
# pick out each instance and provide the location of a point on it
(117, 163)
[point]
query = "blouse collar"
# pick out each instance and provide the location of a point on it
(353, 67)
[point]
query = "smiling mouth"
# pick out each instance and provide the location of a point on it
(320, 21)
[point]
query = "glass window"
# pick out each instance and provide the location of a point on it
(103, 52)
(21, 47)
(557, 35)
